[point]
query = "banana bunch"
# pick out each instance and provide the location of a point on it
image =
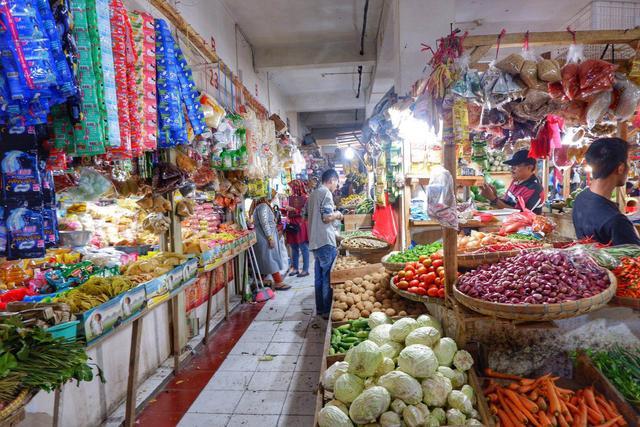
(95, 291)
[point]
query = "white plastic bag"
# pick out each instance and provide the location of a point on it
(441, 198)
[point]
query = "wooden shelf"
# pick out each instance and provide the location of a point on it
(460, 180)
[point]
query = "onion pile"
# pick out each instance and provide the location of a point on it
(546, 277)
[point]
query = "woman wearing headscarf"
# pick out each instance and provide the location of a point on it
(296, 232)
(269, 253)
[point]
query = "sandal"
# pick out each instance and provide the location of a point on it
(294, 273)
(281, 287)
(303, 274)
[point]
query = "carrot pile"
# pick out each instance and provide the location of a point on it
(541, 403)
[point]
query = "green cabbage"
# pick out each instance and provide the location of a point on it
(439, 414)
(472, 422)
(402, 328)
(391, 349)
(412, 416)
(339, 405)
(423, 408)
(435, 390)
(432, 422)
(332, 416)
(458, 400)
(426, 335)
(426, 320)
(402, 386)
(377, 318)
(397, 406)
(455, 417)
(417, 360)
(385, 367)
(390, 419)
(462, 360)
(348, 387)
(364, 359)
(468, 391)
(372, 403)
(332, 373)
(380, 334)
(457, 378)
(445, 349)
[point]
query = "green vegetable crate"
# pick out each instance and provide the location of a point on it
(345, 335)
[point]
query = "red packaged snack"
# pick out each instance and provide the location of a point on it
(570, 81)
(556, 91)
(595, 76)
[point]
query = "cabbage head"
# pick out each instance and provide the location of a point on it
(402, 386)
(391, 349)
(426, 320)
(435, 390)
(418, 361)
(380, 334)
(364, 359)
(431, 422)
(472, 422)
(413, 417)
(468, 391)
(332, 416)
(457, 378)
(372, 403)
(397, 406)
(426, 336)
(439, 414)
(445, 349)
(423, 408)
(377, 318)
(402, 328)
(455, 417)
(458, 400)
(338, 404)
(348, 387)
(385, 367)
(462, 360)
(390, 419)
(332, 373)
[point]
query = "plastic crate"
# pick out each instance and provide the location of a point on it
(66, 330)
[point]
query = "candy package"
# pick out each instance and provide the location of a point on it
(20, 175)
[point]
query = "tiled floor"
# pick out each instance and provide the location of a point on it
(270, 376)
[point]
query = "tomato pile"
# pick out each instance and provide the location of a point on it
(423, 277)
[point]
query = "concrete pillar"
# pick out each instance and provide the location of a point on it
(418, 21)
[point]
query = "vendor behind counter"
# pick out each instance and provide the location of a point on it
(594, 214)
(525, 185)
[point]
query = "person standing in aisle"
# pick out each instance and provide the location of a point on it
(296, 231)
(321, 213)
(268, 249)
(594, 214)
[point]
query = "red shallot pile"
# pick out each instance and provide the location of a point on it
(544, 277)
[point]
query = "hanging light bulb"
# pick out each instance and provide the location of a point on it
(349, 153)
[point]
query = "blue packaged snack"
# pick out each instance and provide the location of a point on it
(50, 227)
(3, 234)
(20, 176)
(25, 232)
(48, 191)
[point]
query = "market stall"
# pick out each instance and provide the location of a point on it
(539, 311)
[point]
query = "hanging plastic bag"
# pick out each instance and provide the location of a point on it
(549, 70)
(385, 225)
(628, 97)
(511, 64)
(441, 198)
(597, 108)
(91, 186)
(595, 76)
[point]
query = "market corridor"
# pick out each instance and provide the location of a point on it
(265, 377)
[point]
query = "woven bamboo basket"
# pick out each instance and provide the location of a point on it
(538, 312)
(476, 260)
(415, 297)
(392, 266)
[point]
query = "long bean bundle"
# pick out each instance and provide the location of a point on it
(622, 368)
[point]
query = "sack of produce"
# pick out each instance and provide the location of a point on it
(511, 64)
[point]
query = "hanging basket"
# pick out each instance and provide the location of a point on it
(538, 312)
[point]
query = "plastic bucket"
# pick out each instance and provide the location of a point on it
(66, 330)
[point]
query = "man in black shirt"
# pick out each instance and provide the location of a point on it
(594, 214)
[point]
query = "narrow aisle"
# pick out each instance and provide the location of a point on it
(268, 378)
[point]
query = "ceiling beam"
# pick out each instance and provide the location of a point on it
(325, 101)
(317, 55)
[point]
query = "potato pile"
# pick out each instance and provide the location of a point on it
(365, 295)
(348, 262)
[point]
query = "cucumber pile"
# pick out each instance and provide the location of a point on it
(348, 335)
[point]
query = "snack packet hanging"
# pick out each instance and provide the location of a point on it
(25, 232)
(597, 108)
(628, 94)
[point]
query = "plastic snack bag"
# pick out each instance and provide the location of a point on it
(628, 97)
(595, 76)
(549, 71)
(441, 198)
(511, 64)
(598, 107)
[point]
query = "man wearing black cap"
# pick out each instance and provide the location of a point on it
(525, 184)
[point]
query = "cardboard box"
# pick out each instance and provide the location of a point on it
(157, 290)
